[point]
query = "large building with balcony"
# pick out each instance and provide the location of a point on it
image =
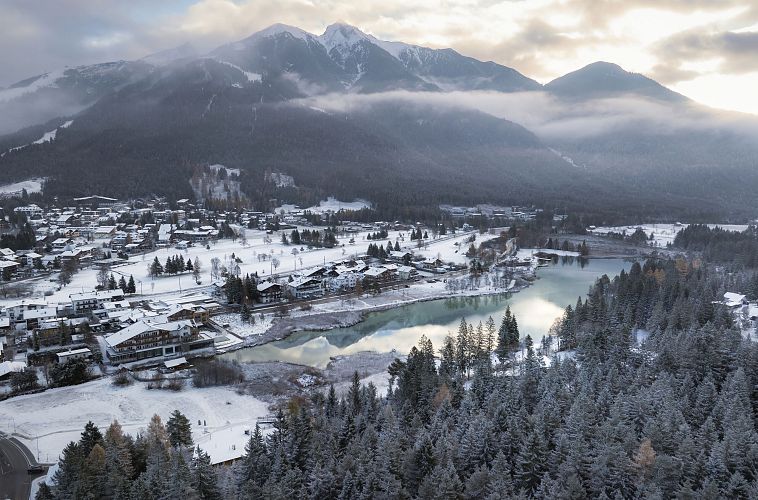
(151, 338)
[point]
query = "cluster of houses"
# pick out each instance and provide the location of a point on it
(95, 223)
(480, 212)
(130, 331)
(348, 275)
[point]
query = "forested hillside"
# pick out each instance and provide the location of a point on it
(672, 417)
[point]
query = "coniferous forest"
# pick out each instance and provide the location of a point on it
(480, 417)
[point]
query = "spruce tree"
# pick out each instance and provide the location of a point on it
(179, 430)
(204, 479)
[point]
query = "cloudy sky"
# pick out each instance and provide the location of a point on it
(705, 49)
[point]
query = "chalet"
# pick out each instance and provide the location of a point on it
(431, 265)
(377, 275)
(15, 311)
(147, 339)
(400, 257)
(83, 303)
(8, 268)
(316, 273)
(269, 292)
(60, 244)
(33, 318)
(733, 300)
(196, 313)
(75, 254)
(29, 259)
(304, 287)
(344, 280)
(108, 309)
(104, 232)
(406, 272)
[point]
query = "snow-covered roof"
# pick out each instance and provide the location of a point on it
(142, 326)
(732, 299)
(302, 281)
(173, 363)
(46, 312)
(7, 367)
(267, 285)
(73, 352)
(373, 272)
(104, 294)
(26, 303)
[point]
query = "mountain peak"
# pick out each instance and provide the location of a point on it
(601, 78)
(343, 34)
(279, 28)
(604, 65)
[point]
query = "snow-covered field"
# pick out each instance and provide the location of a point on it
(256, 326)
(663, 234)
(49, 420)
(331, 204)
(31, 186)
(250, 254)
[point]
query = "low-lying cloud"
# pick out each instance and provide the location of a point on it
(553, 119)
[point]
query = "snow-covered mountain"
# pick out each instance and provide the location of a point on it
(346, 58)
(64, 92)
(254, 104)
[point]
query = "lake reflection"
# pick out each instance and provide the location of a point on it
(536, 308)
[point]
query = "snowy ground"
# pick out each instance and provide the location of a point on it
(331, 204)
(251, 255)
(47, 421)
(31, 186)
(663, 234)
(242, 329)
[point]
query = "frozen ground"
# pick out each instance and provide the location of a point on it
(251, 254)
(663, 234)
(47, 421)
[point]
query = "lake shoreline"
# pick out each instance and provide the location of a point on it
(352, 312)
(322, 322)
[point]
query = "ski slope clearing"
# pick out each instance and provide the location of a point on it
(53, 418)
(31, 186)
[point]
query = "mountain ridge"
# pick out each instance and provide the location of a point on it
(240, 105)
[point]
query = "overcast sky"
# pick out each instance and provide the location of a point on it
(705, 49)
